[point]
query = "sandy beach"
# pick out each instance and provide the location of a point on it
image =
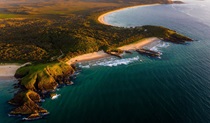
(8, 70)
(101, 17)
(139, 44)
(88, 56)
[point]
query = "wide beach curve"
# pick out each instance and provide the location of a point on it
(102, 17)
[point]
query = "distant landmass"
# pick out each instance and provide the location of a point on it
(129, 1)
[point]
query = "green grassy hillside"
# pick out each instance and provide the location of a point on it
(44, 77)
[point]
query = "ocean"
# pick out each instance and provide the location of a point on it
(137, 89)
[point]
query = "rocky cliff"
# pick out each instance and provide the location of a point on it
(36, 80)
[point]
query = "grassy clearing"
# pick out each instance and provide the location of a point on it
(42, 77)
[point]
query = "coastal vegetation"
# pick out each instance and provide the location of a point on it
(26, 42)
(36, 82)
(48, 37)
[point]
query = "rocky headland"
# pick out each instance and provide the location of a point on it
(35, 82)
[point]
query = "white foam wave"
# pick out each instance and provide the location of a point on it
(116, 62)
(159, 46)
(112, 62)
(84, 66)
(55, 96)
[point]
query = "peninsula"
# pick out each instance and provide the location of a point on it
(53, 38)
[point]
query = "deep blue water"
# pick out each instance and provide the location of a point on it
(173, 89)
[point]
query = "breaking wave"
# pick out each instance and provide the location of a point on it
(112, 62)
(157, 46)
(55, 96)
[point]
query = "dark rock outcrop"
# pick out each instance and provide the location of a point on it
(26, 102)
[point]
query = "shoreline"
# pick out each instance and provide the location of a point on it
(101, 54)
(8, 70)
(88, 57)
(101, 17)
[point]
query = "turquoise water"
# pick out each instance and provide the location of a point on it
(173, 89)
